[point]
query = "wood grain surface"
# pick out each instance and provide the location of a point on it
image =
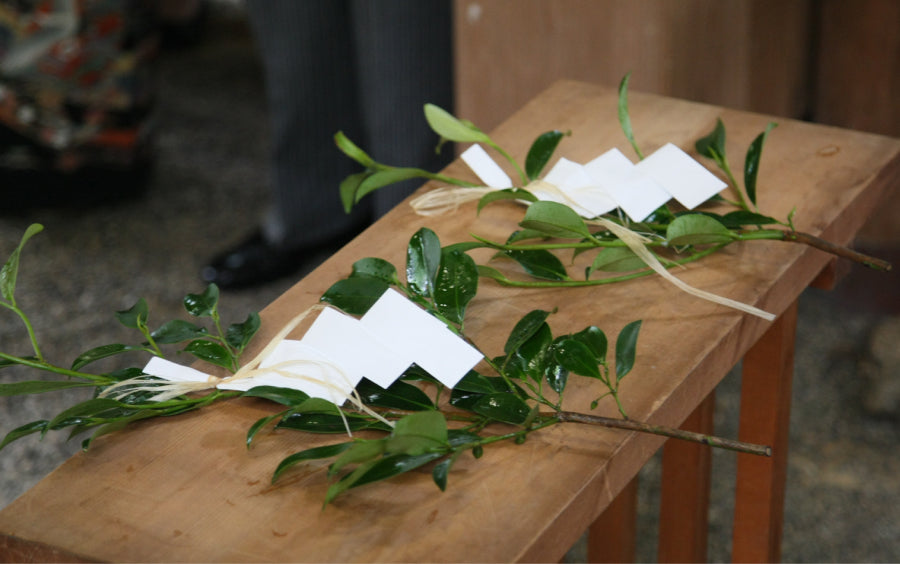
(187, 489)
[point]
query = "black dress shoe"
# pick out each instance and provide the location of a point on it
(254, 262)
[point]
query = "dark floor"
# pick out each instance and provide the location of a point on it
(207, 191)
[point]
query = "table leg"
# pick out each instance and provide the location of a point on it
(613, 536)
(684, 497)
(765, 419)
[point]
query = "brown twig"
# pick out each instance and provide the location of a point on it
(628, 424)
(844, 252)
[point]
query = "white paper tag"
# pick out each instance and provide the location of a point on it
(361, 352)
(419, 337)
(685, 179)
(174, 372)
(485, 168)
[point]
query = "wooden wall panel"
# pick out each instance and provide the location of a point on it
(745, 54)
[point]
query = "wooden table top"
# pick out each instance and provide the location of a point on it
(187, 489)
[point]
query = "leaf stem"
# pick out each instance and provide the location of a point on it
(817, 243)
(45, 366)
(28, 327)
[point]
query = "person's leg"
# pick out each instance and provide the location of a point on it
(307, 54)
(404, 60)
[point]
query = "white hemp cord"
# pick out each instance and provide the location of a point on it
(168, 390)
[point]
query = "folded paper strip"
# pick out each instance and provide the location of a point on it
(338, 351)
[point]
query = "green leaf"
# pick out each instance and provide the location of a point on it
(626, 348)
(428, 424)
(328, 423)
(211, 352)
(355, 295)
(96, 407)
(386, 177)
(136, 316)
(103, 351)
(448, 127)
(751, 163)
(615, 259)
(713, 145)
(178, 331)
(284, 396)
(10, 270)
(575, 356)
(239, 335)
(350, 149)
(377, 470)
(534, 353)
(423, 258)
(456, 283)
(361, 451)
(506, 194)
(539, 263)
(316, 453)
(740, 218)
(441, 470)
(375, 268)
(398, 395)
(259, 425)
(624, 117)
(530, 324)
(524, 235)
(40, 387)
(596, 341)
(349, 187)
(540, 152)
(556, 376)
(202, 305)
(505, 407)
(24, 431)
(492, 273)
(555, 220)
(697, 229)
(475, 382)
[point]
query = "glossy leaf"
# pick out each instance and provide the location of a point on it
(626, 348)
(575, 356)
(10, 270)
(239, 335)
(316, 453)
(508, 408)
(441, 471)
(475, 382)
(398, 395)
(751, 163)
(211, 352)
(555, 220)
(350, 149)
(103, 351)
(202, 305)
(713, 144)
(24, 431)
(596, 341)
(423, 258)
(530, 323)
(540, 153)
(381, 469)
(178, 331)
(697, 229)
(517, 194)
(534, 353)
(539, 263)
(456, 283)
(625, 117)
(136, 316)
(616, 259)
(451, 128)
(557, 377)
(524, 235)
(740, 218)
(259, 426)
(40, 387)
(355, 295)
(89, 408)
(375, 268)
(327, 423)
(284, 396)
